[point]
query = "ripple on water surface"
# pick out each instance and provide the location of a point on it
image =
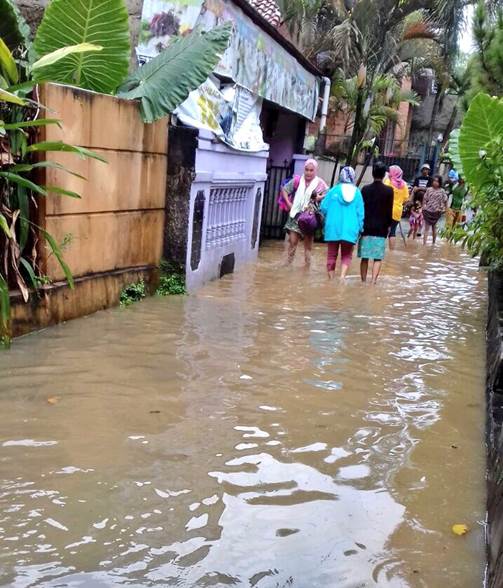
(271, 430)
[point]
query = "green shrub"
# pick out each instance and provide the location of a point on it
(481, 155)
(132, 293)
(172, 281)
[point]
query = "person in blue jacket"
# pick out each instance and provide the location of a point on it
(343, 210)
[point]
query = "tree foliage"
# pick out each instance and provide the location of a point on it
(485, 68)
(481, 154)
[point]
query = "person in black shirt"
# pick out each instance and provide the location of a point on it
(421, 183)
(378, 204)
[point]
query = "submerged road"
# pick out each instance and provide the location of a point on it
(272, 430)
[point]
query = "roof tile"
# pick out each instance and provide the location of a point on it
(269, 10)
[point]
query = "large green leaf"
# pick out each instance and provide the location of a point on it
(482, 124)
(164, 82)
(13, 28)
(99, 22)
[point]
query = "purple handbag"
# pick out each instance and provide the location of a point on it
(308, 221)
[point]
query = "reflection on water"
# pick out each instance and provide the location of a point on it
(272, 430)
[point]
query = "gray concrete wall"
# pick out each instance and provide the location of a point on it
(33, 11)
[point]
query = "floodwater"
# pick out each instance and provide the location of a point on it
(272, 430)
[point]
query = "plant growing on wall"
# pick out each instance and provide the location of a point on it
(481, 156)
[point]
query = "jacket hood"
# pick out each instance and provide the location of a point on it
(347, 193)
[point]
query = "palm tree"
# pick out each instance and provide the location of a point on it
(381, 37)
(368, 106)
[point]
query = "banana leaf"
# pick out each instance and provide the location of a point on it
(483, 124)
(99, 22)
(164, 82)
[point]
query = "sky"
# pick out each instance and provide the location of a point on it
(466, 37)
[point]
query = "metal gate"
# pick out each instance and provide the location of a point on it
(273, 219)
(409, 165)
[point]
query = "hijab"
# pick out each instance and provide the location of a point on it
(347, 175)
(347, 179)
(304, 191)
(396, 177)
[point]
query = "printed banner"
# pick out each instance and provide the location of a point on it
(232, 114)
(254, 60)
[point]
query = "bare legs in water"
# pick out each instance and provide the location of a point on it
(426, 229)
(376, 269)
(293, 241)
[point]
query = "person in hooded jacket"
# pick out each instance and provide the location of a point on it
(343, 210)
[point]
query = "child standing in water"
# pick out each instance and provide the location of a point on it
(415, 219)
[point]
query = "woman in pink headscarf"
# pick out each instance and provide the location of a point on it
(400, 196)
(299, 194)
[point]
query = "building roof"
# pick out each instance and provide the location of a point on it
(269, 10)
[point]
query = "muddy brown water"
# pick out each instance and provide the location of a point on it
(271, 430)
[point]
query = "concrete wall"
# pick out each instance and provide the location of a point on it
(117, 226)
(213, 221)
(495, 430)
(119, 220)
(233, 186)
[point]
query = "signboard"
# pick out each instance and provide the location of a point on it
(253, 60)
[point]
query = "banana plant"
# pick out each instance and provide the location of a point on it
(19, 188)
